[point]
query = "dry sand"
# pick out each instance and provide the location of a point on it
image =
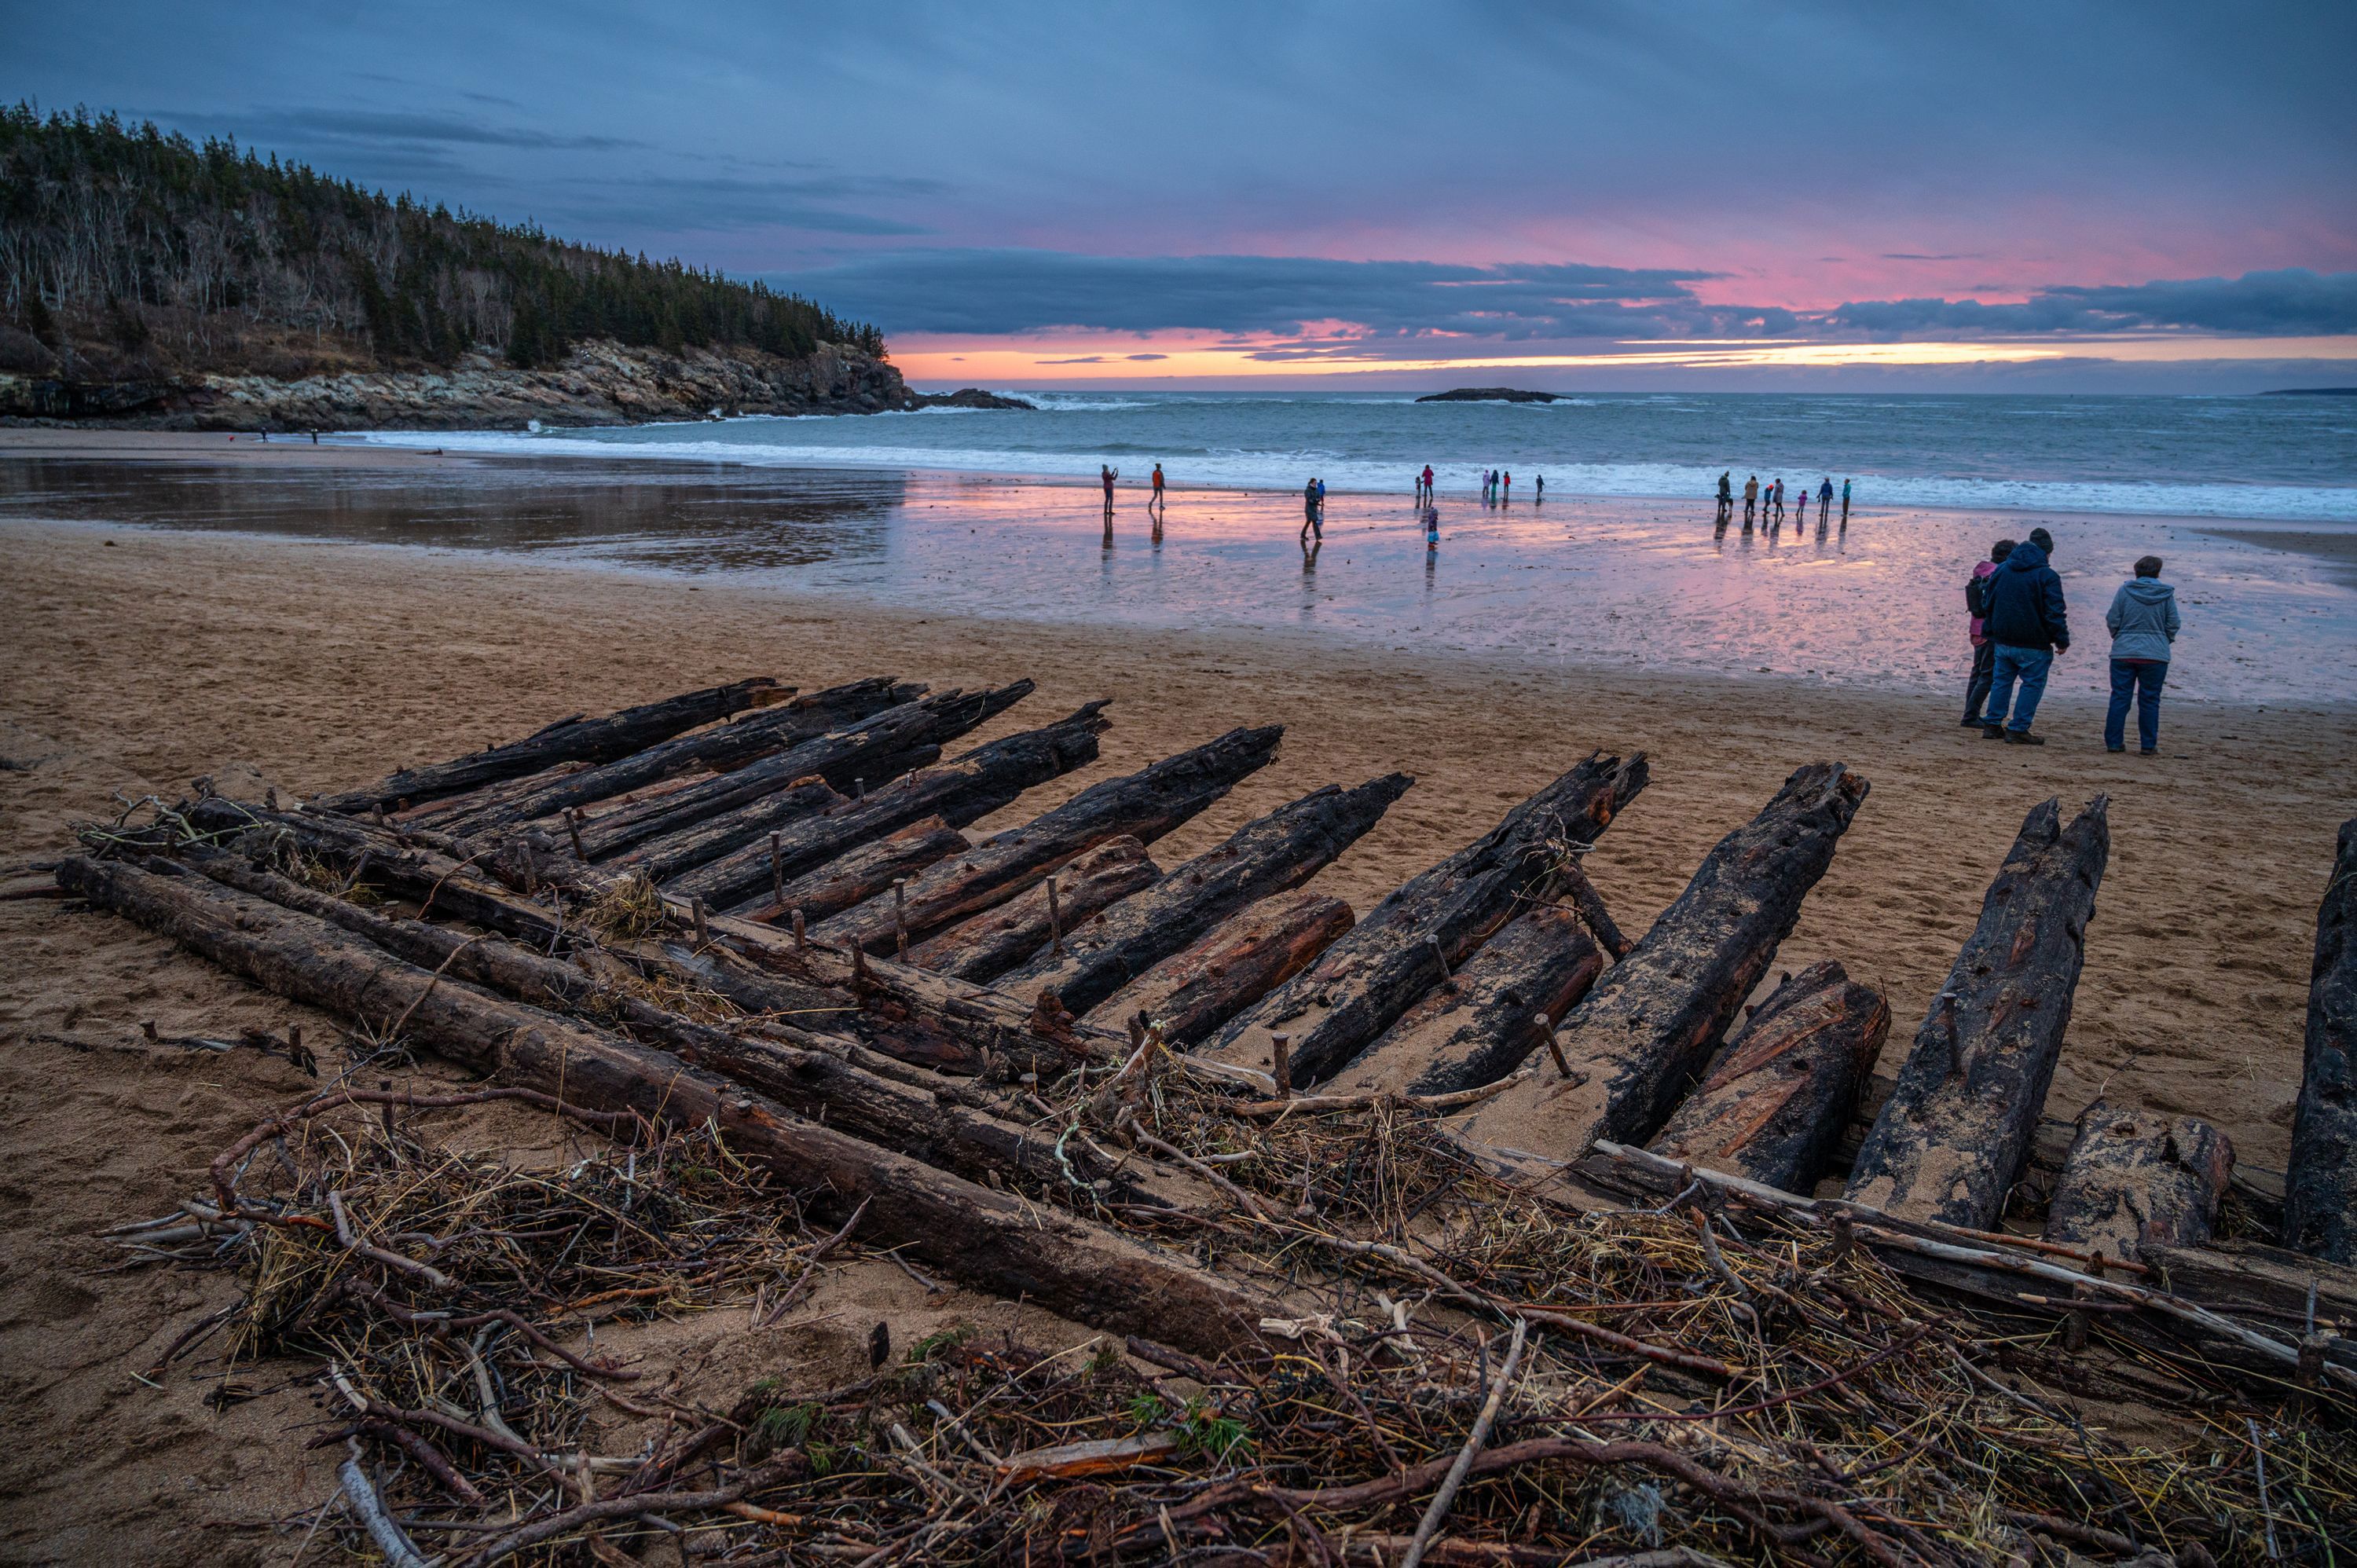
(131, 667)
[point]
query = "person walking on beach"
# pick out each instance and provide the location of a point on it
(1726, 495)
(1844, 503)
(1776, 500)
(1505, 487)
(1426, 496)
(1977, 687)
(2030, 624)
(1155, 502)
(1310, 520)
(2143, 621)
(1751, 500)
(1824, 500)
(1539, 493)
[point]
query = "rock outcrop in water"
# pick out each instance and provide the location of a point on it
(1487, 394)
(597, 383)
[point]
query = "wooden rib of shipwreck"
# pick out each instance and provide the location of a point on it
(959, 792)
(2137, 1180)
(1485, 1020)
(1361, 984)
(1190, 993)
(575, 739)
(1144, 805)
(1273, 854)
(1640, 1038)
(807, 1070)
(895, 1009)
(717, 749)
(858, 875)
(2321, 1182)
(987, 946)
(839, 757)
(1774, 1104)
(681, 851)
(1950, 1140)
(993, 1241)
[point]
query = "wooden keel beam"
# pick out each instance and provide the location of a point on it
(993, 1240)
(987, 946)
(973, 786)
(856, 876)
(1645, 1032)
(2320, 1182)
(1144, 805)
(2134, 1179)
(1950, 1140)
(1772, 1106)
(747, 739)
(676, 854)
(1481, 1023)
(1190, 993)
(1273, 854)
(568, 740)
(836, 757)
(1361, 984)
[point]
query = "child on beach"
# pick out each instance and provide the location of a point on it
(1976, 685)
(1505, 487)
(1431, 528)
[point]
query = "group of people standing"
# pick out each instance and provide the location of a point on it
(2019, 624)
(1497, 486)
(1766, 503)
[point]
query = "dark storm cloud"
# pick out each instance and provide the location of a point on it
(2291, 303)
(990, 292)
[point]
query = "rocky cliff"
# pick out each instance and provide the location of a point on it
(597, 383)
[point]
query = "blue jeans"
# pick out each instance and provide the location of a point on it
(2140, 678)
(2030, 665)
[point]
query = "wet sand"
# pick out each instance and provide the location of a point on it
(131, 667)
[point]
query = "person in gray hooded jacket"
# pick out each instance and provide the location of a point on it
(2143, 621)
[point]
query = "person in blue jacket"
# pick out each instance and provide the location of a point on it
(2030, 624)
(2143, 621)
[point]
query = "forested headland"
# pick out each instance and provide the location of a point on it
(144, 273)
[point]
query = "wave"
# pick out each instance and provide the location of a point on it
(1252, 469)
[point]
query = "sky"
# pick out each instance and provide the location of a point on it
(2131, 197)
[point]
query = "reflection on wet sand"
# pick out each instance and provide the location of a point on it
(1652, 584)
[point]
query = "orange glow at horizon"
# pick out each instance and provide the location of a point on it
(1095, 357)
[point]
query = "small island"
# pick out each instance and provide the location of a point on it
(970, 397)
(1487, 394)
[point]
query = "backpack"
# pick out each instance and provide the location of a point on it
(1976, 595)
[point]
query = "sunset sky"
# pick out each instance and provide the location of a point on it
(2006, 196)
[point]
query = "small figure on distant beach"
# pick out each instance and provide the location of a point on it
(1431, 529)
(1506, 485)
(1108, 475)
(1725, 497)
(1976, 685)
(1426, 496)
(1844, 503)
(1313, 499)
(1155, 503)
(1825, 498)
(1750, 500)
(1538, 490)
(1777, 490)
(2031, 626)
(2144, 622)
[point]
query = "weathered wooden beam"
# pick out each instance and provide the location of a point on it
(1190, 993)
(856, 876)
(2134, 1179)
(2292, 1291)
(575, 739)
(1482, 1022)
(1950, 1140)
(1647, 1029)
(839, 757)
(1364, 982)
(971, 786)
(1772, 1106)
(1144, 805)
(2320, 1182)
(993, 1240)
(996, 940)
(681, 851)
(717, 750)
(1273, 854)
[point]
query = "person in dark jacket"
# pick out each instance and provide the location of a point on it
(2143, 621)
(1977, 687)
(2029, 625)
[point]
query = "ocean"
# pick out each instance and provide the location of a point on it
(2277, 458)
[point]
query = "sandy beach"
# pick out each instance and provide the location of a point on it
(137, 660)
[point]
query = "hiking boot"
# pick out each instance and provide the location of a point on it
(2115, 748)
(1975, 722)
(1992, 731)
(2023, 738)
